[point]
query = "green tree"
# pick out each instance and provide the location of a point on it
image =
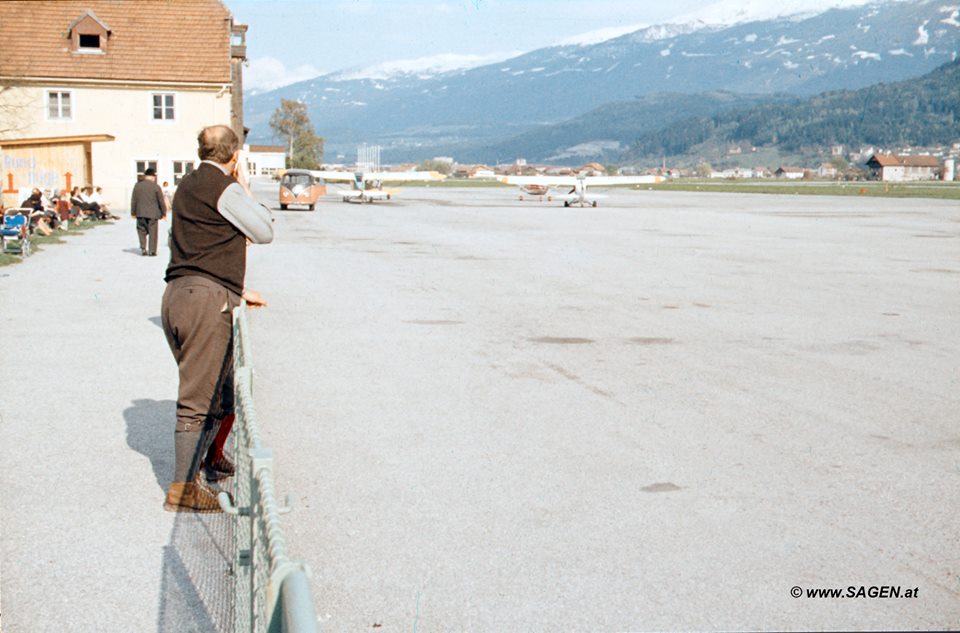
(704, 170)
(291, 122)
(439, 166)
(841, 165)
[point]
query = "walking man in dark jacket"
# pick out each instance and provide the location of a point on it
(148, 206)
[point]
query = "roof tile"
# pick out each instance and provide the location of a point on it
(150, 40)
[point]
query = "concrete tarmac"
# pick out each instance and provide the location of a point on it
(661, 414)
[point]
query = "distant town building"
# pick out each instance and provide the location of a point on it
(949, 169)
(266, 160)
(896, 168)
(95, 92)
(592, 169)
(826, 170)
(481, 172)
(790, 173)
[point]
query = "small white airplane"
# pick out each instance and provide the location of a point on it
(540, 186)
(368, 186)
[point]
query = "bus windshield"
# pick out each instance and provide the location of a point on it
(296, 182)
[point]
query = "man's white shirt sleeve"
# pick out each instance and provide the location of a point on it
(249, 216)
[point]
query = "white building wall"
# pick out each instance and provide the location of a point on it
(893, 174)
(266, 163)
(948, 169)
(127, 114)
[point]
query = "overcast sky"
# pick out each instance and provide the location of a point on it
(291, 40)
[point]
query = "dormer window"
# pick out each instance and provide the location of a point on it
(89, 34)
(89, 40)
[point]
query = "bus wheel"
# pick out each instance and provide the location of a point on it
(311, 207)
(283, 207)
(566, 203)
(594, 204)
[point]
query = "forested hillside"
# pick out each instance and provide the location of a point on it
(581, 138)
(923, 111)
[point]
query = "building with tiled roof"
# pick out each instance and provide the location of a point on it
(895, 168)
(266, 160)
(790, 173)
(96, 91)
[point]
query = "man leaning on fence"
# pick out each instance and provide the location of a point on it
(214, 218)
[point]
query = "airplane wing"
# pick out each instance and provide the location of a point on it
(334, 176)
(349, 176)
(573, 196)
(560, 181)
(595, 181)
(384, 176)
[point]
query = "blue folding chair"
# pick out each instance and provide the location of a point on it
(15, 232)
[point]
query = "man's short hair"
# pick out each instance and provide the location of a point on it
(150, 171)
(217, 143)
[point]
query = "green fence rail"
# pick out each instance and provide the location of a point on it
(272, 592)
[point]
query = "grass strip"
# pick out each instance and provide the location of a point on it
(943, 191)
(38, 241)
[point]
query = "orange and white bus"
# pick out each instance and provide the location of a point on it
(300, 187)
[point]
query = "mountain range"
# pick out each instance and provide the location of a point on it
(535, 105)
(922, 112)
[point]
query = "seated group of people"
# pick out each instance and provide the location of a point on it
(54, 211)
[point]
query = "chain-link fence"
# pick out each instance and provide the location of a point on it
(272, 592)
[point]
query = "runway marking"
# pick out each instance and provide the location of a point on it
(569, 375)
(664, 486)
(433, 322)
(561, 340)
(651, 340)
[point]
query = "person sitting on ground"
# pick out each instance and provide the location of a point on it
(104, 207)
(43, 217)
(61, 206)
(34, 202)
(90, 204)
(76, 204)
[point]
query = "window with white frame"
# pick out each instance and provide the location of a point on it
(163, 107)
(180, 169)
(144, 165)
(59, 105)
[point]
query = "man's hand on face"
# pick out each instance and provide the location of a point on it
(254, 299)
(240, 171)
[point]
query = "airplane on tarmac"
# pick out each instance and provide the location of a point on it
(368, 186)
(540, 186)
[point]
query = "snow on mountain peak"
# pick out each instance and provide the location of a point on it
(600, 35)
(423, 66)
(728, 12)
(720, 13)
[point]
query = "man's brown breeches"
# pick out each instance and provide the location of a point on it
(197, 321)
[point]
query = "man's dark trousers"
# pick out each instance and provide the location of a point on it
(197, 316)
(147, 227)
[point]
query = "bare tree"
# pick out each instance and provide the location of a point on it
(14, 110)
